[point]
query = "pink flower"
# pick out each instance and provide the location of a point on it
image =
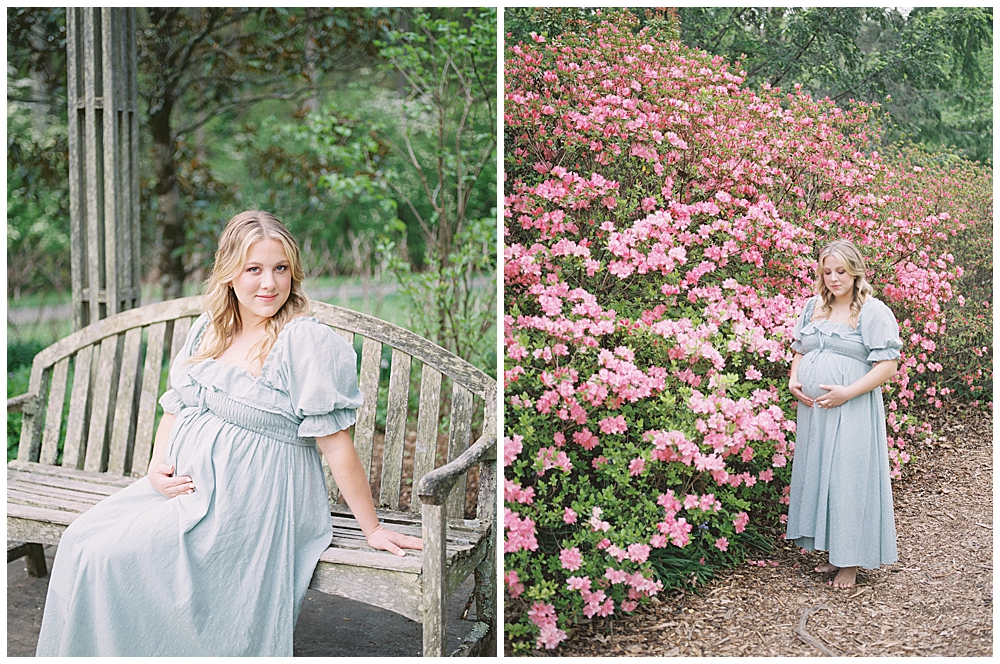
(585, 439)
(741, 521)
(544, 616)
(753, 374)
(638, 553)
(613, 425)
(722, 544)
(578, 583)
(571, 559)
(615, 575)
(636, 466)
(511, 448)
(514, 586)
(569, 516)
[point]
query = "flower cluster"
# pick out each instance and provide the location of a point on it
(661, 226)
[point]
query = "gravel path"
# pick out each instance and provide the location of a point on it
(936, 601)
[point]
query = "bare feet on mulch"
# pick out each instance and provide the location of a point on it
(825, 568)
(845, 578)
(936, 601)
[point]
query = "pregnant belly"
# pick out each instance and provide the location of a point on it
(828, 368)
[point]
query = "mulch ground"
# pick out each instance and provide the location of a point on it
(936, 601)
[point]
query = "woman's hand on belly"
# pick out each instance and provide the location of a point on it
(162, 478)
(795, 386)
(836, 395)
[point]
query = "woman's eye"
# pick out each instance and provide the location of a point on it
(252, 269)
(282, 268)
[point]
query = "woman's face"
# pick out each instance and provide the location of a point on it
(264, 283)
(836, 278)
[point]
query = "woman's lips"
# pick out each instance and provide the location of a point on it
(267, 298)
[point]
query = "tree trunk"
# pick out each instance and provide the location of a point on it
(311, 104)
(171, 260)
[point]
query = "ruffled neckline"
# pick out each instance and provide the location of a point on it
(833, 328)
(265, 377)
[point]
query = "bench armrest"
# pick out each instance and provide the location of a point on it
(23, 403)
(433, 487)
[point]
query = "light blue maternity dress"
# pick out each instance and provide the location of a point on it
(841, 500)
(224, 570)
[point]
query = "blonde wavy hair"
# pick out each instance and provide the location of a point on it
(854, 265)
(221, 304)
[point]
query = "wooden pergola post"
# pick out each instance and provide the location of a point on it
(103, 161)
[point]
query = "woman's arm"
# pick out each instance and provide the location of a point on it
(350, 477)
(839, 394)
(795, 386)
(159, 473)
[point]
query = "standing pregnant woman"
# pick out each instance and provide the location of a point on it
(846, 346)
(212, 552)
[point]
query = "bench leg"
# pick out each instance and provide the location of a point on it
(433, 577)
(34, 556)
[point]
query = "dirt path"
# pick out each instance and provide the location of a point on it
(937, 600)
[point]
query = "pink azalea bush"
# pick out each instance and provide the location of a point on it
(661, 223)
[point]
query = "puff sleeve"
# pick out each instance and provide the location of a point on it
(804, 318)
(879, 331)
(171, 400)
(322, 378)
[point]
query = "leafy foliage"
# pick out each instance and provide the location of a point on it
(934, 64)
(661, 226)
(446, 143)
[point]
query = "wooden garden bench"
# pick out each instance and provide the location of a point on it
(86, 438)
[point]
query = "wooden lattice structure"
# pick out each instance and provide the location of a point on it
(103, 161)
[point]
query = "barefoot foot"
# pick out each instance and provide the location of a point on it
(825, 567)
(845, 578)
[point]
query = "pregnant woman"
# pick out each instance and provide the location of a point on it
(846, 346)
(212, 552)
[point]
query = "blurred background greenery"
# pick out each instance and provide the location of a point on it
(370, 132)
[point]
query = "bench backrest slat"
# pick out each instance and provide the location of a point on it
(77, 420)
(427, 426)
(97, 452)
(122, 427)
(364, 429)
(118, 364)
(459, 435)
(143, 446)
(395, 429)
(53, 415)
(181, 328)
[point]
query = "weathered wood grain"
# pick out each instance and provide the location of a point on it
(433, 487)
(31, 428)
(364, 428)
(76, 422)
(144, 434)
(97, 443)
(54, 412)
(428, 418)
(123, 423)
(434, 577)
(31, 525)
(412, 344)
(394, 591)
(28, 402)
(460, 431)
(395, 428)
(95, 332)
